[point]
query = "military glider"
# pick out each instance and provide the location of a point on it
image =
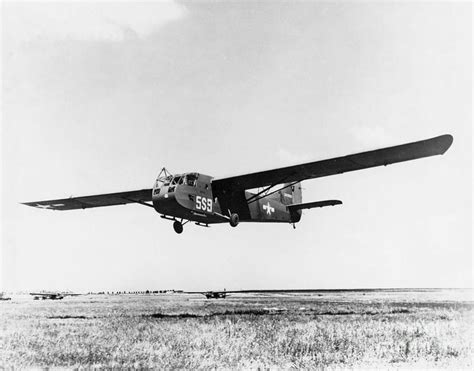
(51, 295)
(215, 294)
(4, 298)
(205, 200)
(47, 295)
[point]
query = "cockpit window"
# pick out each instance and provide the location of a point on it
(191, 179)
(178, 179)
(168, 180)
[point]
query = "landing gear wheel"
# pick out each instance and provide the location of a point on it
(234, 220)
(178, 227)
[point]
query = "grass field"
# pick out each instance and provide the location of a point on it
(389, 329)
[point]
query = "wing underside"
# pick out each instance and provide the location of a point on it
(86, 202)
(333, 166)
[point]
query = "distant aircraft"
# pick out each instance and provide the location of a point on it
(47, 295)
(319, 292)
(215, 294)
(51, 295)
(4, 298)
(206, 200)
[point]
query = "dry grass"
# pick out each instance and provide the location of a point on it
(179, 331)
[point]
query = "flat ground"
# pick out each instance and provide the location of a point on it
(377, 328)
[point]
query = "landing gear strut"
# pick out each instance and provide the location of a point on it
(178, 227)
(234, 220)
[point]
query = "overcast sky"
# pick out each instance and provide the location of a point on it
(97, 97)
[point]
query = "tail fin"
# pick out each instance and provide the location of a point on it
(291, 194)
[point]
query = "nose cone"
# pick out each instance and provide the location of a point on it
(164, 201)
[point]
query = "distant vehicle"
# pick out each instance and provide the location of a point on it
(199, 198)
(45, 295)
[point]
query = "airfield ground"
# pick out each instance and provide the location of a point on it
(389, 329)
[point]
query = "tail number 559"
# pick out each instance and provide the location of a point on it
(203, 203)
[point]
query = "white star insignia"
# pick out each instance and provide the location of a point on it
(268, 208)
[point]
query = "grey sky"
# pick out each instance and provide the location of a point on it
(97, 97)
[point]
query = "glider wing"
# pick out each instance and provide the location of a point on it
(338, 165)
(86, 202)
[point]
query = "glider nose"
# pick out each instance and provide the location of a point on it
(163, 200)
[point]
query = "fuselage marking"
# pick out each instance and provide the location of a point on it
(268, 208)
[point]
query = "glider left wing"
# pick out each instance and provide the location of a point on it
(86, 202)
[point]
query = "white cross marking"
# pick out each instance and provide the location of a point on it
(43, 206)
(269, 209)
(48, 206)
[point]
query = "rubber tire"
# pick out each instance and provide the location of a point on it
(178, 227)
(234, 220)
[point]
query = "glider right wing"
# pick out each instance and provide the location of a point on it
(337, 165)
(231, 191)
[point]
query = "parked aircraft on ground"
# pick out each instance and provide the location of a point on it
(4, 298)
(51, 295)
(215, 294)
(206, 200)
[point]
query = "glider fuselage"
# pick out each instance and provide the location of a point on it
(190, 197)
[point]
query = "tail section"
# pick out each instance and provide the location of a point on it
(295, 209)
(290, 194)
(310, 205)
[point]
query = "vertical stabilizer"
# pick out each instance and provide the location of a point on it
(291, 194)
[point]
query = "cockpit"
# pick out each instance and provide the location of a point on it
(186, 179)
(190, 179)
(166, 179)
(173, 180)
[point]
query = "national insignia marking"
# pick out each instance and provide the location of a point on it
(268, 208)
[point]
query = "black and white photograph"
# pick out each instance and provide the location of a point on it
(236, 185)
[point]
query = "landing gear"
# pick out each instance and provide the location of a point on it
(234, 220)
(178, 227)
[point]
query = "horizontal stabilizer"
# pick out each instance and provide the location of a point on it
(86, 202)
(310, 205)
